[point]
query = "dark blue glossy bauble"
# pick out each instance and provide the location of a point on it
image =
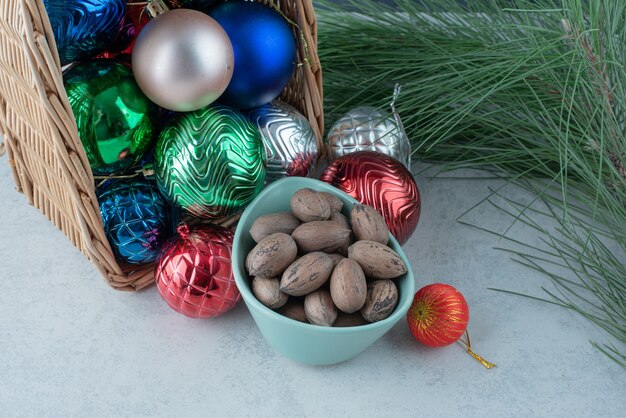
(84, 28)
(265, 52)
(136, 219)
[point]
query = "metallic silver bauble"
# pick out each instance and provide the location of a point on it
(183, 60)
(369, 129)
(290, 143)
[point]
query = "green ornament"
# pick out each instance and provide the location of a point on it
(210, 162)
(116, 121)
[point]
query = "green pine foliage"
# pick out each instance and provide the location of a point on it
(534, 91)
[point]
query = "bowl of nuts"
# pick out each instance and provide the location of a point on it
(320, 273)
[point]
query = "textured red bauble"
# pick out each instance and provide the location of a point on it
(380, 181)
(194, 273)
(438, 315)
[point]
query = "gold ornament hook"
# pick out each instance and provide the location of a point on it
(305, 45)
(478, 358)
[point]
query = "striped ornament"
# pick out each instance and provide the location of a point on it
(210, 162)
(382, 182)
(438, 315)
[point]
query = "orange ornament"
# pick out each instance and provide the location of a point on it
(438, 315)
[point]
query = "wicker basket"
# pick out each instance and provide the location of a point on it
(44, 150)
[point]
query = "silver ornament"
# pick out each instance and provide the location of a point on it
(290, 143)
(369, 129)
(183, 60)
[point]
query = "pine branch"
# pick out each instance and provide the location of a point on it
(532, 90)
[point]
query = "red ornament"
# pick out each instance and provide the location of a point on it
(438, 315)
(380, 181)
(194, 273)
(123, 45)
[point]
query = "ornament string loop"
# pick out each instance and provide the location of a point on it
(274, 5)
(397, 89)
(468, 345)
(146, 171)
(183, 230)
(139, 3)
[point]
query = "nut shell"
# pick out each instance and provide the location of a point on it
(368, 224)
(319, 308)
(323, 236)
(336, 258)
(340, 219)
(266, 225)
(267, 291)
(377, 260)
(271, 256)
(348, 286)
(349, 320)
(294, 309)
(335, 203)
(306, 274)
(309, 205)
(382, 299)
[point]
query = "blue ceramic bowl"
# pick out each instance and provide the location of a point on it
(306, 343)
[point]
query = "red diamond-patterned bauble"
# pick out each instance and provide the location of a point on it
(380, 181)
(438, 315)
(194, 273)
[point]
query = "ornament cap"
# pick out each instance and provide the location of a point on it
(183, 230)
(397, 89)
(148, 170)
(155, 8)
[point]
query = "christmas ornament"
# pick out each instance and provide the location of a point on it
(290, 143)
(265, 52)
(369, 129)
(115, 121)
(438, 317)
(382, 182)
(136, 219)
(122, 46)
(84, 28)
(183, 59)
(210, 162)
(194, 273)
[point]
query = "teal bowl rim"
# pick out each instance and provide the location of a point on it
(241, 278)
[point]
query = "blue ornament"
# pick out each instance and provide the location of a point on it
(84, 28)
(136, 219)
(265, 52)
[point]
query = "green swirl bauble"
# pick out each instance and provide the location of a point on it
(116, 122)
(210, 162)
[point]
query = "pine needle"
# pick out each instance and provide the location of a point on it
(534, 92)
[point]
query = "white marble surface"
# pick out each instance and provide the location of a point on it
(70, 346)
